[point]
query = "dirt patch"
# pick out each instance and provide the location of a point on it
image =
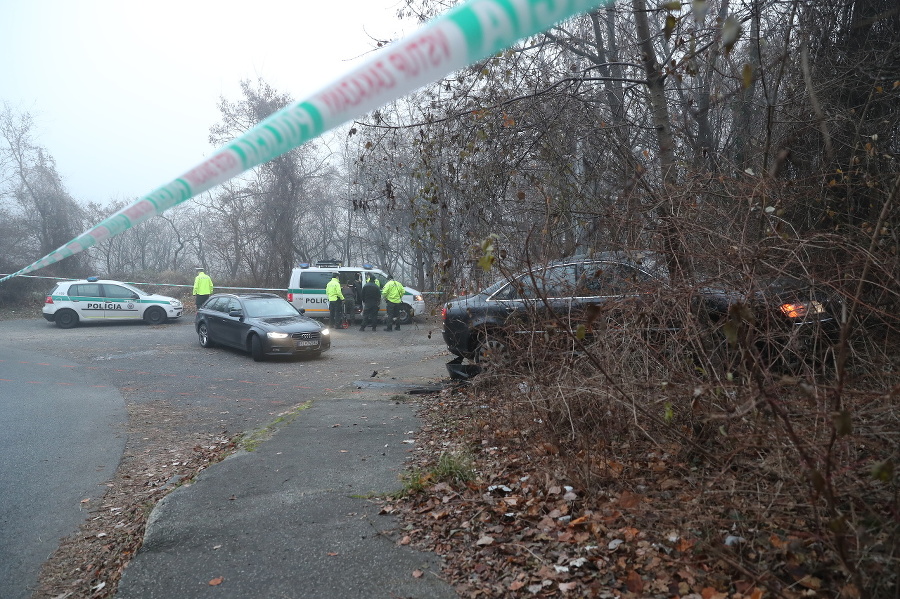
(157, 458)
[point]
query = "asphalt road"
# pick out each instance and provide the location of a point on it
(59, 451)
(62, 435)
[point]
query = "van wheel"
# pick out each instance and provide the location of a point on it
(154, 316)
(404, 314)
(66, 319)
(256, 349)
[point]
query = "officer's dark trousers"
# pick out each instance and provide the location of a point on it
(370, 316)
(336, 312)
(393, 314)
(201, 299)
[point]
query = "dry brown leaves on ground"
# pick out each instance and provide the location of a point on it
(518, 529)
(89, 563)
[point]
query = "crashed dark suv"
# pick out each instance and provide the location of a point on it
(591, 292)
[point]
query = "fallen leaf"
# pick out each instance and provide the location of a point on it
(405, 540)
(711, 593)
(516, 585)
(417, 573)
(634, 582)
(485, 540)
(216, 581)
(628, 499)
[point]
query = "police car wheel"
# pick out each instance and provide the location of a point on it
(404, 314)
(203, 335)
(155, 316)
(66, 319)
(256, 349)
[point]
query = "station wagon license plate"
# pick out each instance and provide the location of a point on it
(307, 342)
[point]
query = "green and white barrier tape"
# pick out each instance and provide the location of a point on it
(467, 33)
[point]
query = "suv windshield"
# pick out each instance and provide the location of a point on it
(268, 307)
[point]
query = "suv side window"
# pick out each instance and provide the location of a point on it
(85, 290)
(314, 280)
(117, 292)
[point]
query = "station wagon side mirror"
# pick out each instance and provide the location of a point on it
(301, 310)
(135, 296)
(236, 313)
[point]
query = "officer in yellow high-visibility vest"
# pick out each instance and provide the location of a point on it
(335, 301)
(393, 295)
(203, 287)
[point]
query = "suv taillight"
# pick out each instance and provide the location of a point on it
(290, 297)
(443, 312)
(49, 299)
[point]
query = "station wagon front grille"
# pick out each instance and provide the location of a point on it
(305, 336)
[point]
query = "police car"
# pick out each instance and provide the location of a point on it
(306, 290)
(72, 302)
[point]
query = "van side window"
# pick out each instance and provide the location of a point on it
(314, 280)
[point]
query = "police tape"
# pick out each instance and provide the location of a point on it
(465, 34)
(152, 284)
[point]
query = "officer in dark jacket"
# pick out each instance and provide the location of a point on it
(371, 299)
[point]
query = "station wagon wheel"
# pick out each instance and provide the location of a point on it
(203, 335)
(155, 315)
(256, 349)
(66, 319)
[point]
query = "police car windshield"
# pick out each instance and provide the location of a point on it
(270, 307)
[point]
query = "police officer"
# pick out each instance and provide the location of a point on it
(371, 299)
(335, 300)
(393, 294)
(203, 287)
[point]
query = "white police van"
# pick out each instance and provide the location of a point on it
(306, 290)
(89, 299)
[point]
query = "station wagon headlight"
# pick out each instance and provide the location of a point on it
(274, 335)
(175, 303)
(326, 332)
(418, 298)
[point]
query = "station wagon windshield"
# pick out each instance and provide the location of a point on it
(268, 308)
